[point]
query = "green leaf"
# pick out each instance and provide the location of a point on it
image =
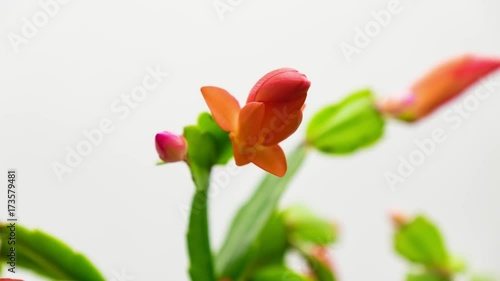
(427, 276)
(47, 256)
(224, 148)
(252, 217)
(278, 273)
(421, 242)
(345, 127)
(306, 227)
(269, 248)
(200, 254)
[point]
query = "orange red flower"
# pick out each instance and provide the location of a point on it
(442, 84)
(273, 111)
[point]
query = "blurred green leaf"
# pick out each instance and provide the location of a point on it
(427, 276)
(345, 127)
(457, 264)
(306, 227)
(224, 148)
(483, 278)
(278, 273)
(321, 271)
(47, 256)
(252, 217)
(271, 245)
(421, 242)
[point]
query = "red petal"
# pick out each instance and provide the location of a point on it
(281, 120)
(280, 85)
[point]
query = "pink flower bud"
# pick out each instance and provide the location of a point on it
(171, 147)
(280, 85)
(439, 86)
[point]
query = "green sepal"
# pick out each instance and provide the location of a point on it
(224, 149)
(201, 147)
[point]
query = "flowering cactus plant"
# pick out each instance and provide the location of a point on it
(262, 234)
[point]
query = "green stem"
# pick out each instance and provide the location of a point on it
(198, 237)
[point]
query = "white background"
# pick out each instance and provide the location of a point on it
(126, 214)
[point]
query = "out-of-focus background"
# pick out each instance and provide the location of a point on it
(69, 68)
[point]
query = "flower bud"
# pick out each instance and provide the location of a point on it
(171, 147)
(283, 93)
(280, 85)
(439, 86)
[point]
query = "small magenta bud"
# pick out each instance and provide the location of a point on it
(171, 147)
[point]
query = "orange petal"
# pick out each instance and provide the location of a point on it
(271, 159)
(238, 151)
(250, 123)
(224, 107)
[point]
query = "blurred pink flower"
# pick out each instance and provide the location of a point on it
(439, 86)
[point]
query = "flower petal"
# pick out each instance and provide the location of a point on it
(448, 81)
(224, 107)
(238, 151)
(250, 123)
(284, 129)
(271, 159)
(282, 120)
